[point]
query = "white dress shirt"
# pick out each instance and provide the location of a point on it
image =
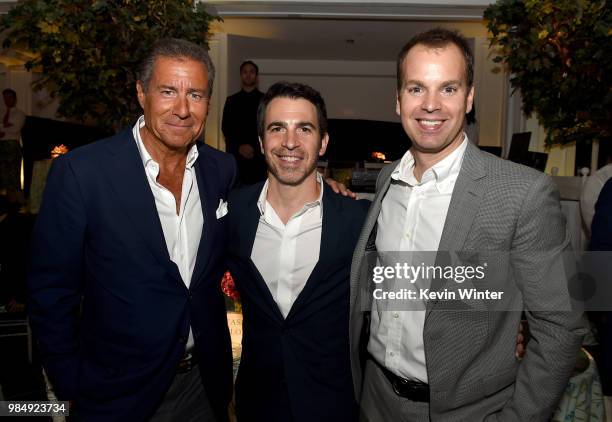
(285, 255)
(411, 218)
(17, 119)
(182, 232)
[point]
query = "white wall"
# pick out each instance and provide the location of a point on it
(490, 95)
(351, 89)
(366, 89)
(218, 52)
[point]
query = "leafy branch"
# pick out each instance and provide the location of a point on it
(558, 53)
(88, 50)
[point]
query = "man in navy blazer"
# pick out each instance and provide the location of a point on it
(132, 232)
(291, 243)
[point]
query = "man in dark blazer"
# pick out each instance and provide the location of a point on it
(291, 242)
(446, 360)
(132, 230)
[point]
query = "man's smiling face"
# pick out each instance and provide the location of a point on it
(175, 103)
(434, 98)
(292, 143)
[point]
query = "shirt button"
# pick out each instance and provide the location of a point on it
(396, 315)
(391, 354)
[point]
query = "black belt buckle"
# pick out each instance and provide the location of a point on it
(410, 389)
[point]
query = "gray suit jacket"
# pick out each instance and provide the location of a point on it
(496, 206)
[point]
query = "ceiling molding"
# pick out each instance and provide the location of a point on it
(6, 5)
(466, 11)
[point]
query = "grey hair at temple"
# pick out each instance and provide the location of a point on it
(177, 49)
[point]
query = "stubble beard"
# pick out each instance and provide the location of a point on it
(284, 176)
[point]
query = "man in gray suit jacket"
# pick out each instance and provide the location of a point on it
(454, 360)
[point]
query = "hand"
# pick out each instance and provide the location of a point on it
(15, 307)
(521, 342)
(340, 188)
(246, 151)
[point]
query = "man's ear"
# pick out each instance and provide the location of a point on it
(261, 145)
(324, 142)
(470, 100)
(140, 93)
(397, 103)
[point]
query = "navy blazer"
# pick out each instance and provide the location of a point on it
(98, 238)
(296, 369)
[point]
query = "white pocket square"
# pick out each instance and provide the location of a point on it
(221, 209)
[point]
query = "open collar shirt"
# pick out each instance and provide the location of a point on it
(182, 231)
(411, 219)
(286, 254)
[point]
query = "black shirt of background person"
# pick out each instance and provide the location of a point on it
(239, 127)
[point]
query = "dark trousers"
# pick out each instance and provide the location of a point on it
(10, 164)
(185, 401)
(380, 403)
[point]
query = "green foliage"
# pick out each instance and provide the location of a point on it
(559, 54)
(88, 50)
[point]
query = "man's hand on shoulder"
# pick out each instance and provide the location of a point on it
(521, 340)
(340, 188)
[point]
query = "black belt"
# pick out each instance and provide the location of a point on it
(187, 363)
(412, 390)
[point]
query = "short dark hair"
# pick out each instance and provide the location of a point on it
(294, 91)
(177, 49)
(247, 62)
(10, 92)
(438, 38)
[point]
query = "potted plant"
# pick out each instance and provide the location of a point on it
(558, 54)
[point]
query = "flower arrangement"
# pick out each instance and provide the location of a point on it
(59, 150)
(228, 287)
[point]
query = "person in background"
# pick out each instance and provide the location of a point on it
(601, 240)
(591, 190)
(239, 126)
(290, 248)
(132, 230)
(10, 143)
(445, 195)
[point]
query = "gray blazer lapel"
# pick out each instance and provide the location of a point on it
(465, 202)
(368, 230)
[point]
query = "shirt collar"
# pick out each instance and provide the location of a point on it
(443, 172)
(192, 155)
(262, 202)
